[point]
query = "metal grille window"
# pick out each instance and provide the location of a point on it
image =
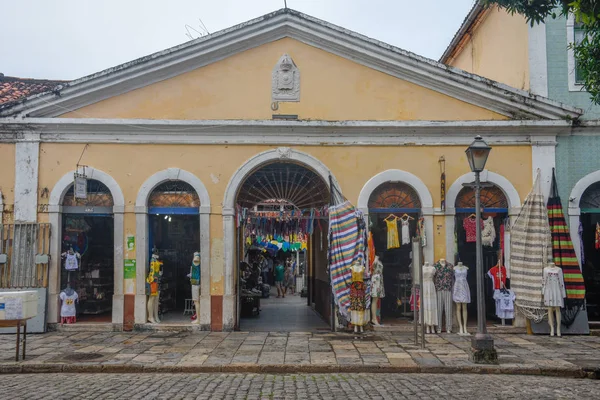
(98, 195)
(394, 195)
(491, 198)
(174, 194)
(24, 250)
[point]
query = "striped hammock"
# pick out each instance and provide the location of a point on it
(565, 257)
(347, 243)
(530, 245)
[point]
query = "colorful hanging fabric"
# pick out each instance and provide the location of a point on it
(563, 251)
(597, 241)
(347, 242)
(530, 251)
(371, 244)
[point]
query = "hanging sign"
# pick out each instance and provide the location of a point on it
(130, 242)
(80, 187)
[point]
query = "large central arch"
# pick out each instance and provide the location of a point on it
(281, 154)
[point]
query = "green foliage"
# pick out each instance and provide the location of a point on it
(586, 13)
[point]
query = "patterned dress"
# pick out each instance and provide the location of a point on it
(377, 288)
(358, 300)
(461, 292)
(553, 287)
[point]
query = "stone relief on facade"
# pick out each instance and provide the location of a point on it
(284, 152)
(285, 83)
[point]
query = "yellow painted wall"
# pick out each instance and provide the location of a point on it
(353, 166)
(7, 178)
(239, 87)
(498, 49)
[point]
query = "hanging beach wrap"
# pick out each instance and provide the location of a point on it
(530, 250)
(564, 256)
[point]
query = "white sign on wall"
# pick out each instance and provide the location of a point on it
(80, 187)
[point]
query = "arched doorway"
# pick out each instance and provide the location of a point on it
(391, 206)
(590, 258)
(174, 234)
(495, 209)
(88, 232)
(281, 213)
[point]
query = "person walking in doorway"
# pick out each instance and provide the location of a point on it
(279, 277)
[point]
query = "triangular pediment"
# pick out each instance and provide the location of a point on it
(344, 76)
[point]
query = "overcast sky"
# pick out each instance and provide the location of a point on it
(68, 39)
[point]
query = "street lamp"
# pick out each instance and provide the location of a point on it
(482, 344)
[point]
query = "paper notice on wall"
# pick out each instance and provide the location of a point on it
(129, 286)
(13, 308)
(130, 242)
(80, 187)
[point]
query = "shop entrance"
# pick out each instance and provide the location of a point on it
(174, 234)
(394, 208)
(87, 252)
(495, 209)
(590, 221)
(282, 221)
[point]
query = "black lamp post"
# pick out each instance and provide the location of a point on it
(482, 344)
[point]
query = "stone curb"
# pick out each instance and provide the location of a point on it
(36, 368)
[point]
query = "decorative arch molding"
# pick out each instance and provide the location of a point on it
(281, 154)
(514, 206)
(574, 210)
(173, 174)
(396, 175)
(54, 215)
(64, 183)
(142, 245)
(417, 184)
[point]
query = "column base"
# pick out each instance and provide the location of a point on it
(482, 350)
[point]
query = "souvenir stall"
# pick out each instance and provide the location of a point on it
(394, 218)
(272, 233)
(495, 222)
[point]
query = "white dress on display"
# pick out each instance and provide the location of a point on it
(429, 298)
(405, 232)
(488, 233)
(461, 292)
(553, 287)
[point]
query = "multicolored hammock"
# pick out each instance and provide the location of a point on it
(564, 256)
(347, 243)
(530, 245)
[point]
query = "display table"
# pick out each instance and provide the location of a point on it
(18, 323)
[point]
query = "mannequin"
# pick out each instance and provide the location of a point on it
(443, 280)
(195, 281)
(428, 299)
(68, 312)
(72, 259)
(377, 289)
(461, 294)
(553, 288)
(152, 289)
(358, 301)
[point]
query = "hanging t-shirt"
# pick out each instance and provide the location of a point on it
(505, 304)
(471, 229)
(498, 275)
(71, 263)
(67, 308)
(488, 233)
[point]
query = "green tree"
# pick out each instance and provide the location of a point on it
(586, 13)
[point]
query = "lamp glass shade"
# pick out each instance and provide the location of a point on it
(477, 154)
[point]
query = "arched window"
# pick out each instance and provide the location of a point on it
(394, 195)
(492, 199)
(591, 197)
(98, 195)
(174, 194)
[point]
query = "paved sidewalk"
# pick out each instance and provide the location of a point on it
(575, 356)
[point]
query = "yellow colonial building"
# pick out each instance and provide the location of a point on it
(175, 147)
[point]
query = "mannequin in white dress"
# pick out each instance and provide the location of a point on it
(553, 288)
(461, 295)
(428, 299)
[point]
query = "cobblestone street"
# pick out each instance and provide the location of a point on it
(296, 386)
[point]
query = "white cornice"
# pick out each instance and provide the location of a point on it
(396, 62)
(279, 132)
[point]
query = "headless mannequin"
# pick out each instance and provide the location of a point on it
(461, 308)
(195, 281)
(421, 299)
(551, 312)
(554, 294)
(444, 302)
(67, 310)
(153, 276)
(377, 275)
